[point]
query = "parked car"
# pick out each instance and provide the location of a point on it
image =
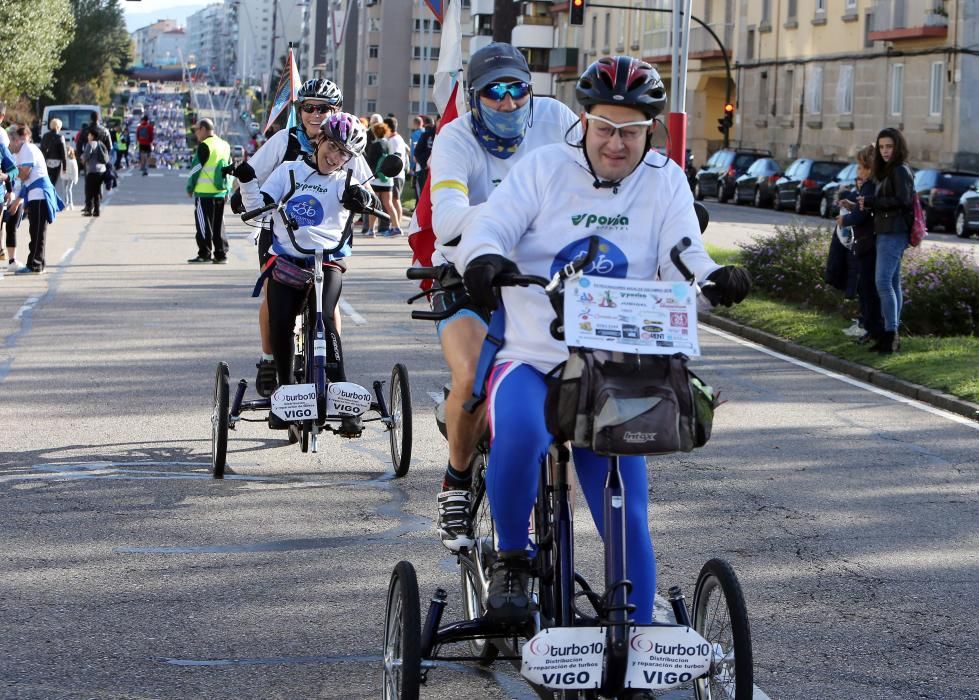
(939, 192)
(967, 213)
(716, 178)
(829, 204)
(757, 186)
(801, 187)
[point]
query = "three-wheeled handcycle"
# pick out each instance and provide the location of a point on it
(579, 642)
(313, 404)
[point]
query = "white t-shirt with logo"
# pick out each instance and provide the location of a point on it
(30, 155)
(464, 175)
(542, 215)
(315, 205)
(398, 147)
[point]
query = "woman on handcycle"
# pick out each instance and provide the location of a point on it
(638, 202)
(319, 207)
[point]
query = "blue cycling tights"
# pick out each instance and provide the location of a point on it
(520, 441)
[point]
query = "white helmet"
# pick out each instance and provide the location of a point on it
(347, 131)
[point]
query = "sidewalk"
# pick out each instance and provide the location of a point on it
(889, 382)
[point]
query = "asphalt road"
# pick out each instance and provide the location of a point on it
(850, 515)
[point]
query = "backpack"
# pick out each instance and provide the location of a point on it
(143, 132)
(918, 228)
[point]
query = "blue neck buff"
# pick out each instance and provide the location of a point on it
(500, 133)
(304, 141)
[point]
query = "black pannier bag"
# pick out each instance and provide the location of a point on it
(618, 403)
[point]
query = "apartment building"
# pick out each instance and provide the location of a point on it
(265, 30)
(211, 45)
(808, 77)
(159, 44)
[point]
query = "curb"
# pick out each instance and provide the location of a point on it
(933, 397)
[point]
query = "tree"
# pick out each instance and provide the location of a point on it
(101, 48)
(33, 34)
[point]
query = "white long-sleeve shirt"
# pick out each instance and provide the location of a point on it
(464, 175)
(541, 217)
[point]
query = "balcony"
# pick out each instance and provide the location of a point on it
(893, 20)
(657, 44)
(481, 7)
(536, 36)
(563, 60)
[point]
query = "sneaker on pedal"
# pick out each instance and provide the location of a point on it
(276, 423)
(351, 426)
(508, 599)
(455, 524)
(266, 381)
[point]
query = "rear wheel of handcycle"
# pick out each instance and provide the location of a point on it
(399, 405)
(721, 617)
(220, 417)
(474, 565)
(402, 636)
(309, 362)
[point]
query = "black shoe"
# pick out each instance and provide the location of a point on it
(220, 261)
(887, 343)
(350, 427)
(508, 599)
(199, 259)
(866, 338)
(95, 213)
(85, 212)
(266, 381)
(276, 423)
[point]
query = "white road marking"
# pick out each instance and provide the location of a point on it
(845, 379)
(67, 253)
(28, 305)
(347, 309)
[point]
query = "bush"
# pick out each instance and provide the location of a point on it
(941, 287)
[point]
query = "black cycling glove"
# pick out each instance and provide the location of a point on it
(480, 275)
(731, 285)
(358, 199)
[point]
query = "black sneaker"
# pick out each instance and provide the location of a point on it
(276, 423)
(350, 426)
(220, 261)
(454, 523)
(266, 381)
(508, 599)
(199, 259)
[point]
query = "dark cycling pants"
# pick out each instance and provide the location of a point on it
(93, 192)
(37, 218)
(285, 303)
(209, 219)
(11, 224)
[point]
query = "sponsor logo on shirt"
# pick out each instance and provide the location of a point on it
(610, 261)
(617, 221)
(305, 210)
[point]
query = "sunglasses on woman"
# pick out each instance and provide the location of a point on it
(310, 108)
(499, 91)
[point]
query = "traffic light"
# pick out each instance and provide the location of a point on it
(577, 12)
(725, 123)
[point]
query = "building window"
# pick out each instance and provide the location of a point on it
(594, 31)
(820, 6)
(897, 88)
(851, 4)
(793, 10)
(868, 24)
(844, 90)
(814, 90)
(423, 25)
(372, 106)
(373, 25)
(766, 11)
(371, 79)
(416, 80)
(763, 94)
(415, 107)
(420, 53)
(373, 50)
(608, 31)
(786, 94)
(751, 45)
(708, 10)
(937, 88)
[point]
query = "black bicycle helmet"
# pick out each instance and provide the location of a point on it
(321, 89)
(622, 80)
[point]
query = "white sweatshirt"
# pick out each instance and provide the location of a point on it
(464, 175)
(541, 217)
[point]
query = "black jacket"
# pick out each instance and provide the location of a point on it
(423, 149)
(862, 220)
(891, 203)
(53, 148)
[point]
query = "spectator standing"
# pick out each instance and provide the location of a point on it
(55, 151)
(37, 191)
(376, 152)
(892, 211)
(95, 157)
(208, 185)
(9, 203)
(122, 146)
(144, 137)
(101, 134)
(68, 182)
(398, 147)
(864, 246)
(417, 129)
(423, 151)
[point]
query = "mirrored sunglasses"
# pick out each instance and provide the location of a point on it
(628, 131)
(499, 91)
(322, 108)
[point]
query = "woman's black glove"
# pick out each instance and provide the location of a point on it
(731, 285)
(480, 275)
(359, 199)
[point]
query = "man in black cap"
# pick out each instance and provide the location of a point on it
(470, 157)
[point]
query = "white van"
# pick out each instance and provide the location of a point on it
(72, 117)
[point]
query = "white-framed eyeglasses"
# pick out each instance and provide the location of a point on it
(335, 151)
(628, 131)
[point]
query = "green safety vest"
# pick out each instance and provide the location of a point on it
(121, 145)
(219, 153)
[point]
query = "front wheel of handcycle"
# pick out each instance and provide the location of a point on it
(721, 617)
(475, 562)
(220, 418)
(399, 404)
(402, 635)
